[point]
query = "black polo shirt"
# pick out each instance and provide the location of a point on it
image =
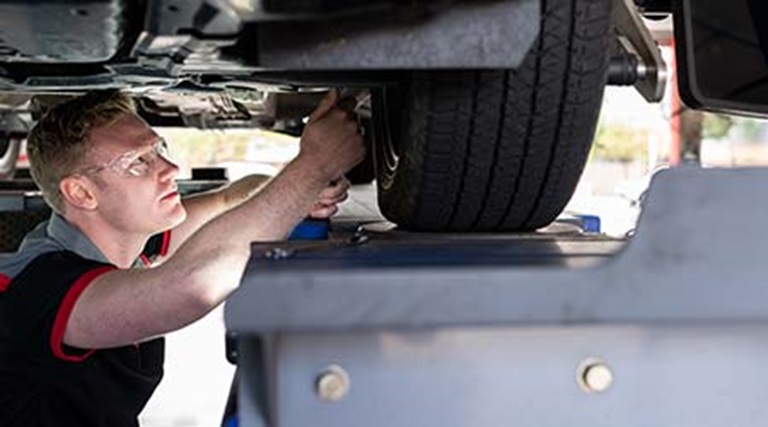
(44, 382)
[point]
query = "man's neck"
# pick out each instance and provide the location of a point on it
(120, 247)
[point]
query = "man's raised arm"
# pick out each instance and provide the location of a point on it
(128, 306)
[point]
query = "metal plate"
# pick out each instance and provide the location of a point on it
(488, 34)
(698, 255)
(662, 376)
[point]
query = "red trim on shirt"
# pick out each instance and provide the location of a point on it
(145, 260)
(65, 310)
(5, 282)
(166, 243)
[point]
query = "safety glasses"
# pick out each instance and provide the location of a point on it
(134, 163)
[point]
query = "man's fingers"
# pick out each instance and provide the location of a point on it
(336, 191)
(331, 140)
(328, 199)
(332, 200)
(348, 105)
(324, 211)
(328, 102)
(342, 184)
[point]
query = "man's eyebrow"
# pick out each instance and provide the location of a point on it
(143, 149)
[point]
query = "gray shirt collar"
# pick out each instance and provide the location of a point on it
(72, 239)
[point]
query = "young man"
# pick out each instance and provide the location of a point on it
(80, 324)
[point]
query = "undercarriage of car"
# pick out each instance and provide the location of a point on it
(480, 114)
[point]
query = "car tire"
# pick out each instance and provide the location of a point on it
(482, 150)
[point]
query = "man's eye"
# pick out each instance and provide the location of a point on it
(142, 160)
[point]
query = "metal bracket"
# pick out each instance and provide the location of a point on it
(466, 332)
(635, 39)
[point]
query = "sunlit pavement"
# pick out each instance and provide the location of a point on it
(197, 377)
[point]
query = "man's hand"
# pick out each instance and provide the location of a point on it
(331, 142)
(329, 198)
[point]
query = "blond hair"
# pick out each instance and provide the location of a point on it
(60, 142)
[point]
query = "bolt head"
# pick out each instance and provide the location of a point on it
(594, 376)
(332, 385)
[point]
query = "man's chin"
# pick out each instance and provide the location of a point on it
(180, 214)
(173, 218)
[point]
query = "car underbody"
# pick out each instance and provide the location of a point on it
(489, 64)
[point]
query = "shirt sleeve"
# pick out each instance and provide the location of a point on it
(39, 302)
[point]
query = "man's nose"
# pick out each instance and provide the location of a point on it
(169, 168)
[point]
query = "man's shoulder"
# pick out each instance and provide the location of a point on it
(11, 264)
(44, 280)
(51, 264)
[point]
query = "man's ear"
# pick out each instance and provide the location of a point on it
(78, 193)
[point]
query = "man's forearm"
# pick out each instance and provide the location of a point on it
(202, 208)
(241, 190)
(219, 251)
(273, 210)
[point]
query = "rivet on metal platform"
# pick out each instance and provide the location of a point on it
(594, 376)
(332, 384)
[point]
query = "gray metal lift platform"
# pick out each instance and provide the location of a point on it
(546, 329)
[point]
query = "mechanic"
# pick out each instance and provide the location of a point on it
(82, 314)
